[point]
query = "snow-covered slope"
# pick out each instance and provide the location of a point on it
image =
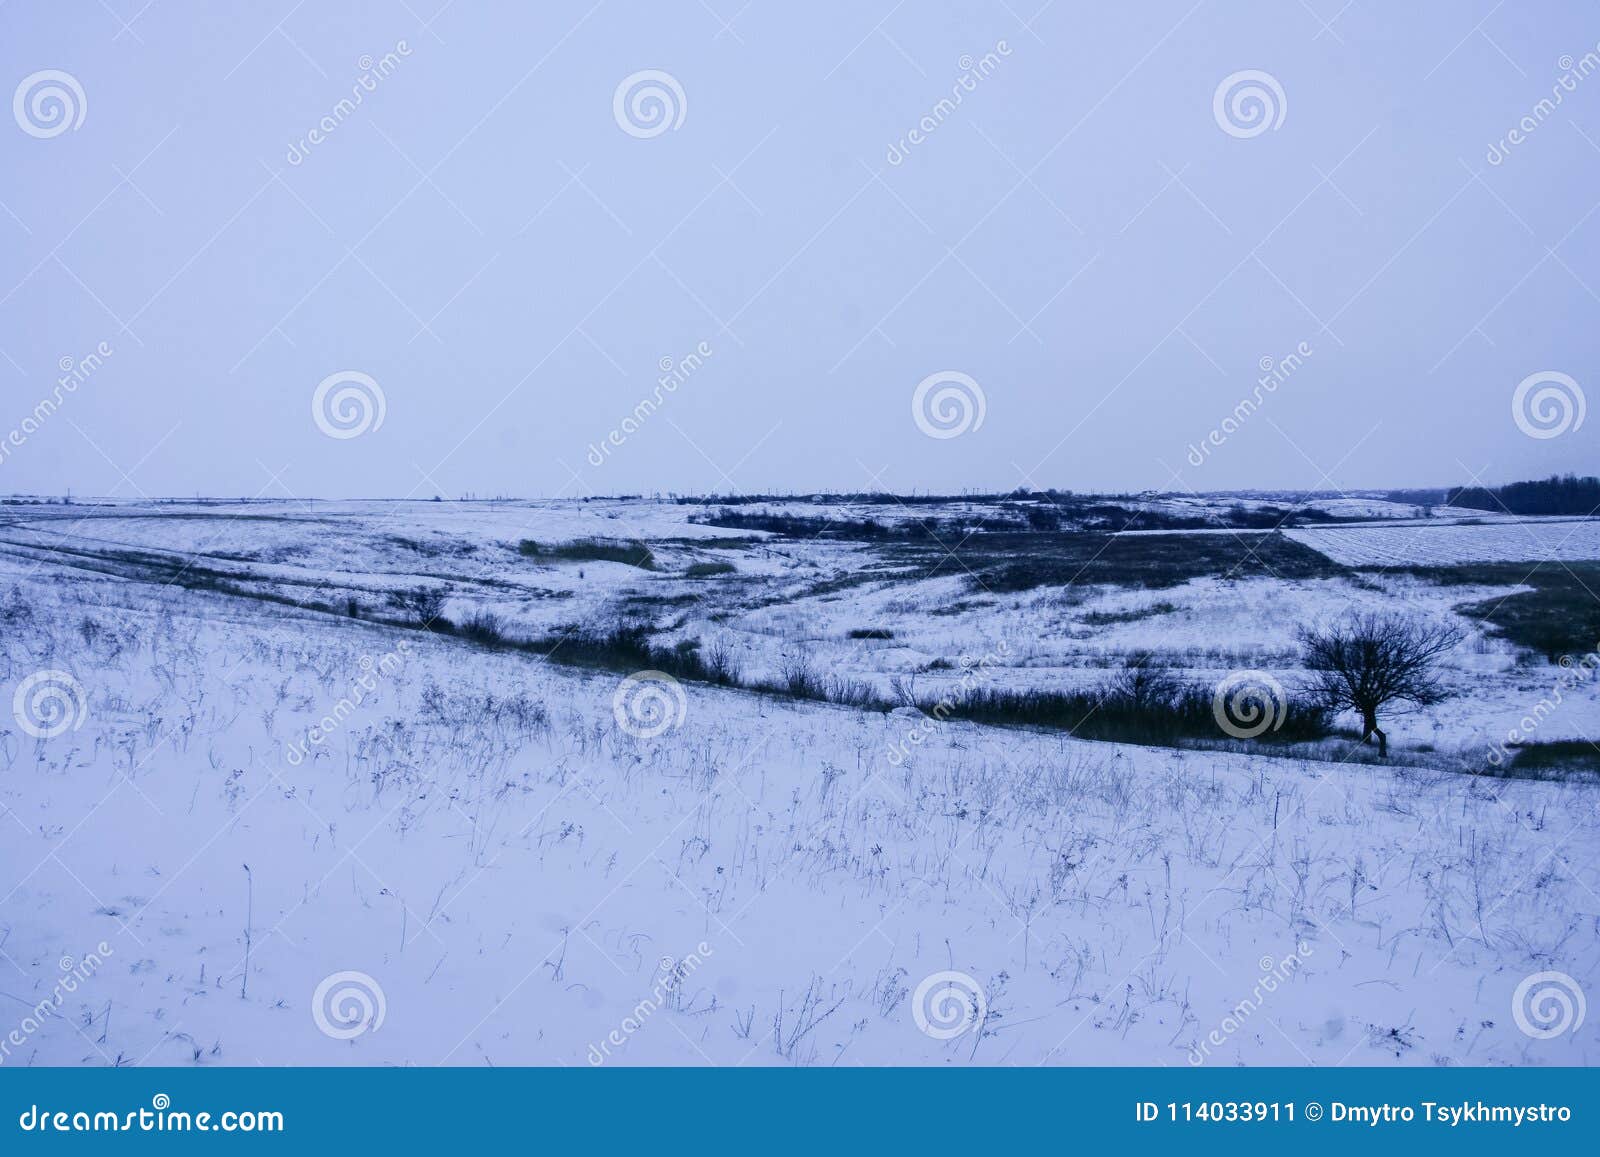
(268, 817)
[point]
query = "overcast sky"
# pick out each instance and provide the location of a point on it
(1106, 250)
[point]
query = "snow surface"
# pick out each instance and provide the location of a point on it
(479, 836)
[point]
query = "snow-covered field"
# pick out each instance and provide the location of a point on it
(1427, 544)
(259, 833)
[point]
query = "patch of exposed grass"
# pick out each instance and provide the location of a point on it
(1560, 616)
(1138, 705)
(717, 542)
(708, 569)
(808, 526)
(1555, 757)
(1169, 715)
(1018, 562)
(629, 648)
(1110, 618)
(1045, 511)
(871, 633)
(624, 550)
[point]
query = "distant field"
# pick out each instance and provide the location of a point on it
(1530, 540)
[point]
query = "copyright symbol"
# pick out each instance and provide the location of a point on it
(1313, 1111)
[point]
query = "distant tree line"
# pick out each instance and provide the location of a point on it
(1557, 494)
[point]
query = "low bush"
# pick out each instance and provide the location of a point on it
(720, 666)
(484, 627)
(423, 606)
(799, 680)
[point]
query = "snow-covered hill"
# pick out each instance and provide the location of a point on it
(249, 833)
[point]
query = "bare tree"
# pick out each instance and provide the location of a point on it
(1366, 662)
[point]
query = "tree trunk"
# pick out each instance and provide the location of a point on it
(1369, 728)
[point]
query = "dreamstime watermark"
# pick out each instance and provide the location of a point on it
(1572, 72)
(1248, 103)
(674, 373)
(1249, 703)
(1273, 974)
(1548, 404)
(1274, 372)
(649, 703)
(48, 103)
(648, 103)
(666, 992)
(1574, 672)
(949, 1004)
(348, 404)
(347, 1004)
(1548, 1004)
(74, 372)
(361, 688)
(948, 404)
(934, 717)
(971, 73)
(50, 703)
(160, 1117)
(72, 973)
(373, 72)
